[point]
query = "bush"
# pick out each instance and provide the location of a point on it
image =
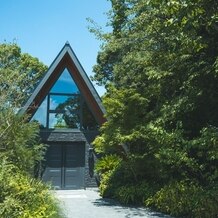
(106, 187)
(20, 143)
(135, 194)
(186, 199)
(24, 197)
(107, 163)
(115, 172)
(105, 168)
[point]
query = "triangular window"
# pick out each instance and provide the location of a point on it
(41, 113)
(64, 107)
(65, 84)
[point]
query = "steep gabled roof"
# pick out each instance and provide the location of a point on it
(66, 59)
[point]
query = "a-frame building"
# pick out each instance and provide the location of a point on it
(69, 111)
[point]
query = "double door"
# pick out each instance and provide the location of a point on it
(65, 165)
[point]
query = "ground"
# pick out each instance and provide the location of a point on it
(88, 204)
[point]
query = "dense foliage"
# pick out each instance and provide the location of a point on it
(24, 197)
(19, 74)
(19, 141)
(20, 150)
(160, 68)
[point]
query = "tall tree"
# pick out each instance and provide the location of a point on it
(160, 65)
(20, 149)
(166, 52)
(19, 74)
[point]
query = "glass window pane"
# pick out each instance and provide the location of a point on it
(89, 122)
(65, 84)
(70, 112)
(56, 101)
(41, 114)
(64, 102)
(59, 120)
(56, 121)
(65, 107)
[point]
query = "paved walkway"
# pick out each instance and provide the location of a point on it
(88, 204)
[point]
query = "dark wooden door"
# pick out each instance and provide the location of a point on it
(65, 165)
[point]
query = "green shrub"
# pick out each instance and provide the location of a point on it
(24, 197)
(186, 199)
(106, 188)
(105, 168)
(107, 163)
(115, 172)
(135, 194)
(127, 194)
(20, 143)
(207, 203)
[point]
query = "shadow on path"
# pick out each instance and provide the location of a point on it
(88, 204)
(128, 211)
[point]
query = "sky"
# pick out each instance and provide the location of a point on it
(42, 27)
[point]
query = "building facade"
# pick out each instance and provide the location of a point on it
(70, 112)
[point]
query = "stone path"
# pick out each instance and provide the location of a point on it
(88, 204)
